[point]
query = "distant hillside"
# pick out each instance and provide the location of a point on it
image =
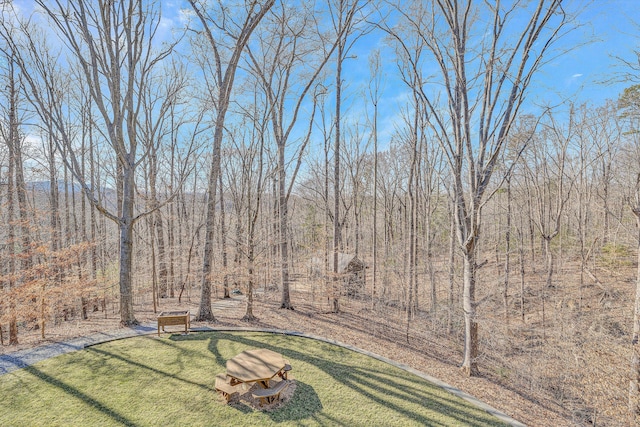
(46, 186)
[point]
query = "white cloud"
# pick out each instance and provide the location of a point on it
(575, 76)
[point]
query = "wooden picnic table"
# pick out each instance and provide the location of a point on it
(258, 365)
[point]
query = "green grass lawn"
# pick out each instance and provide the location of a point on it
(150, 381)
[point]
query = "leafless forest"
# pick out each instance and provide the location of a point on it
(234, 148)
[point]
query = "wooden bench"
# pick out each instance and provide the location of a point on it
(174, 318)
(224, 387)
(268, 395)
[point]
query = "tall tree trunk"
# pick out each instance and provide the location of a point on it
(249, 316)
(411, 276)
(152, 263)
(74, 215)
(470, 358)
(507, 255)
(92, 211)
(275, 231)
(521, 251)
(127, 317)
(634, 382)
(11, 235)
(337, 232)
(532, 235)
(224, 80)
(171, 262)
(67, 206)
(54, 215)
(204, 311)
(431, 270)
(412, 211)
(23, 208)
(251, 243)
(452, 269)
(173, 223)
(467, 231)
(375, 204)
(285, 303)
(605, 200)
(163, 282)
(54, 224)
(20, 184)
(328, 279)
(157, 232)
(335, 300)
(548, 282)
(387, 243)
(237, 255)
(223, 242)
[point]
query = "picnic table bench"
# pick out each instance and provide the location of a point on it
(224, 387)
(268, 395)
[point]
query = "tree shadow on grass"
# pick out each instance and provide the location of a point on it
(200, 336)
(74, 392)
(137, 365)
(393, 389)
(305, 403)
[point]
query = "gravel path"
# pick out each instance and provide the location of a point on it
(22, 358)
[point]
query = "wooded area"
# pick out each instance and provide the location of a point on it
(237, 151)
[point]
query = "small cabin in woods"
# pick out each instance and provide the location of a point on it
(351, 272)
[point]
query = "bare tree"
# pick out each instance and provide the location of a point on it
(223, 242)
(546, 161)
(250, 147)
(164, 115)
(484, 84)
(634, 382)
(374, 88)
(355, 159)
(595, 144)
(236, 29)
(629, 104)
(345, 16)
(113, 45)
(605, 132)
(244, 167)
(520, 138)
(287, 61)
(9, 131)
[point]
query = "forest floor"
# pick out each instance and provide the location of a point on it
(356, 325)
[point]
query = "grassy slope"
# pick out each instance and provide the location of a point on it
(149, 381)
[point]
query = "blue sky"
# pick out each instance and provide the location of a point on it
(607, 30)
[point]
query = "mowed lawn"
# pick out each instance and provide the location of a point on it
(169, 381)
